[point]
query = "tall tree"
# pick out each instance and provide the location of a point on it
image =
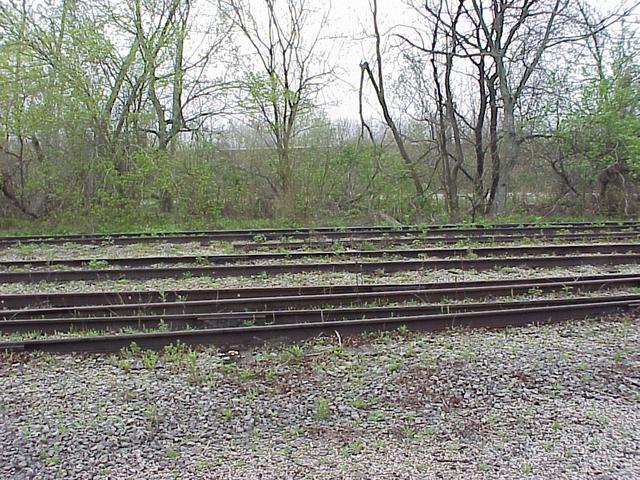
(375, 75)
(283, 76)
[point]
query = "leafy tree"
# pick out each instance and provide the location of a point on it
(602, 136)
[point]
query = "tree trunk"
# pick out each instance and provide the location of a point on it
(511, 150)
(493, 145)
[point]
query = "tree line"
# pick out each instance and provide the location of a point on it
(211, 108)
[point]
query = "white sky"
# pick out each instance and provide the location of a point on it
(347, 26)
(350, 19)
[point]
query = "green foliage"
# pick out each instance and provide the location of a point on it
(96, 264)
(150, 359)
(605, 128)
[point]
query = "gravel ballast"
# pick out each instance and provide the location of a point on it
(311, 278)
(557, 402)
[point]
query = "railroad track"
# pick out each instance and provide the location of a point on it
(358, 242)
(242, 317)
(25, 303)
(321, 232)
(282, 298)
(385, 266)
(244, 337)
(475, 252)
(205, 315)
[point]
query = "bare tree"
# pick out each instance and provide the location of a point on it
(173, 83)
(457, 99)
(281, 87)
(376, 79)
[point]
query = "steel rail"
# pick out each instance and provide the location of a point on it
(64, 299)
(228, 235)
(354, 242)
(346, 229)
(224, 271)
(391, 266)
(450, 252)
(433, 292)
(244, 337)
(278, 317)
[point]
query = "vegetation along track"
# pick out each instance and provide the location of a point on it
(350, 266)
(209, 318)
(326, 232)
(208, 301)
(59, 302)
(601, 248)
(241, 317)
(329, 315)
(243, 337)
(387, 240)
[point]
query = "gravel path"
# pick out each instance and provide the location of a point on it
(557, 402)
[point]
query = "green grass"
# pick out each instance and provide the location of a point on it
(322, 409)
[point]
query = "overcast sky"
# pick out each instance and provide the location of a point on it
(350, 19)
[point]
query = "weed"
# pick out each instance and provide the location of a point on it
(394, 366)
(470, 254)
(408, 432)
(375, 417)
(294, 353)
(367, 245)
(227, 414)
(618, 356)
(323, 409)
(230, 368)
(468, 355)
(259, 238)
(337, 246)
(32, 335)
(429, 431)
(353, 448)
(175, 352)
(97, 264)
(172, 454)
(251, 395)
(152, 416)
(403, 329)
(125, 364)
(150, 359)
(586, 377)
(535, 291)
(132, 349)
(377, 444)
(193, 372)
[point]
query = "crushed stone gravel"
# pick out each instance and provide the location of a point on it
(311, 278)
(560, 401)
